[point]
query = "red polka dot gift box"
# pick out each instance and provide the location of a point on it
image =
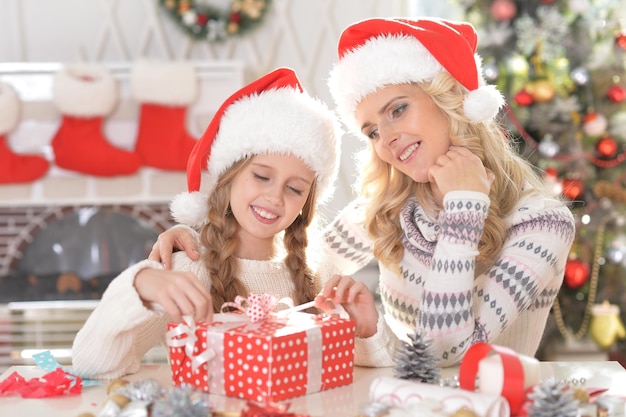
(271, 359)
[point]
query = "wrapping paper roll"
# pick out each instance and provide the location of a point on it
(396, 392)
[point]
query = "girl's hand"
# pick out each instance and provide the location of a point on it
(460, 169)
(179, 293)
(355, 298)
(174, 238)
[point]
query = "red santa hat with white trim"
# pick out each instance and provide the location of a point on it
(270, 115)
(377, 52)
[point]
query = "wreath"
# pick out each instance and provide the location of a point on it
(207, 22)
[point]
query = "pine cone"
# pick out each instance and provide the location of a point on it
(552, 398)
(416, 360)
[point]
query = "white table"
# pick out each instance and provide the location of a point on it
(339, 402)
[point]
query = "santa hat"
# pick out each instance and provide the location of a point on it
(272, 114)
(377, 52)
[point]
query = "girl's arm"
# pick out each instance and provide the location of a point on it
(119, 332)
(126, 323)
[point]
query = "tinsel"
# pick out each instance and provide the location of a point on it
(182, 402)
(552, 398)
(416, 360)
(146, 390)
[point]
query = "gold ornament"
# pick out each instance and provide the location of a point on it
(612, 191)
(121, 400)
(541, 90)
(115, 384)
(581, 394)
(606, 327)
(464, 412)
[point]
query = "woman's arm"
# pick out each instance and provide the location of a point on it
(519, 288)
(178, 237)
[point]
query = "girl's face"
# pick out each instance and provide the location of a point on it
(407, 130)
(266, 196)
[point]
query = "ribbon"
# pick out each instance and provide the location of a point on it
(513, 387)
(258, 307)
(184, 334)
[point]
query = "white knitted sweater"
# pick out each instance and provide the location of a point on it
(441, 291)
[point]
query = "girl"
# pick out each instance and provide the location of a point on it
(272, 153)
(469, 244)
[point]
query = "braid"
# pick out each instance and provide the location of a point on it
(219, 237)
(296, 242)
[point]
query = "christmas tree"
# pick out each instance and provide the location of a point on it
(561, 65)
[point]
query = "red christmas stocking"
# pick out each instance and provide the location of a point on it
(15, 168)
(164, 91)
(85, 94)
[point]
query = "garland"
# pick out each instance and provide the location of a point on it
(206, 22)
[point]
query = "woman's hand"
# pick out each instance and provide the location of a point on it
(179, 293)
(174, 238)
(355, 298)
(460, 169)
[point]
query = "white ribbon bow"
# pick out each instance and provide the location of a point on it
(184, 334)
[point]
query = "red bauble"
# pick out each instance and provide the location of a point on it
(573, 188)
(616, 93)
(620, 40)
(606, 147)
(523, 98)
(576, 273)
(502, 10)
(202, 19)
(552, 172)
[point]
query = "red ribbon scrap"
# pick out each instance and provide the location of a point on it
(54, 383)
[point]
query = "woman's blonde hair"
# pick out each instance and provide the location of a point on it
(219, 237)
(386, 189)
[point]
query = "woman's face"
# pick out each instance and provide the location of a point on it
(407, 130)
(267, 195)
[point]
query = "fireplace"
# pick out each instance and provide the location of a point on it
(73, 252)
(56, 263)
(65, 236)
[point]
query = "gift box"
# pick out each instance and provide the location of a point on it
(272, 359)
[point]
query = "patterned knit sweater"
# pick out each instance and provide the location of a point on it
(440, 290)
(122, 329)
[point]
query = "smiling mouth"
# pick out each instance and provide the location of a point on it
(408, 152)
(264, 213)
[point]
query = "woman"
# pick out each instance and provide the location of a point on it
(470, 245)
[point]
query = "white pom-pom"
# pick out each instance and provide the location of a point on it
(482, 104)
(190, 209)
